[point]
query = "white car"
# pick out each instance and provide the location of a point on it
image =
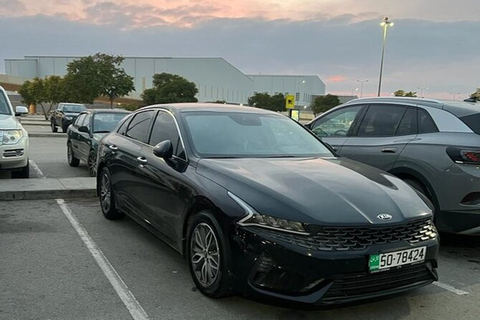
(13, 139)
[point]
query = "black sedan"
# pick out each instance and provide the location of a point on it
(259, 205)
(84, 134)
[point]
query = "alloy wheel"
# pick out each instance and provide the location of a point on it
(105, 193)
(92, 166)
(205, 254)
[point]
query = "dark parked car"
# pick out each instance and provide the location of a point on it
(432, 145)
(86, 132)
(259, 205)
(65, 115)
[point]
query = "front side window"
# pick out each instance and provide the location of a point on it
(139, 127)
(336, 123)
(408, 125)
(239, 135)
(164, 128)
(381, 121)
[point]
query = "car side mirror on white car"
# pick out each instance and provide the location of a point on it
(20, 110)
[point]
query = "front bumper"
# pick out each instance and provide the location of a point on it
(458, 195)
(268, 266)
(14, 156)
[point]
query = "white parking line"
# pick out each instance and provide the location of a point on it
(36, 169)
(120, 287)
(450, 288)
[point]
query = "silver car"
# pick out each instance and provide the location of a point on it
(432, 145)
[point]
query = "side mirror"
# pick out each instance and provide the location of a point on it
(83, 129)
(164, 149)
(20, 110)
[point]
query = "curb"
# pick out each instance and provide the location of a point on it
(49, 135)
(47, 194)
(50, 188)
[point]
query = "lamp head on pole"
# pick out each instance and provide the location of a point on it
(386, 23)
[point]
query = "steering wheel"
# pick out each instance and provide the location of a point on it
(340, 132)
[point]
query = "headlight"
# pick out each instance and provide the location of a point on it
(11, 136)
(256, 219)
(69, 118)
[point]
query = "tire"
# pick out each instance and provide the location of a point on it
(72, 161)
(202, 259)
(22, 174)
(415, 184)
(107, 197)
(92, 163)
(53, 126)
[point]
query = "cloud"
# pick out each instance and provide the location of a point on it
(12, 8)
(441, 56)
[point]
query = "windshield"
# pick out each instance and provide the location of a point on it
(4, 107)
(76, 108)
(228, 134)
(106, 122)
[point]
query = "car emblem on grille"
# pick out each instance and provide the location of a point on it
(384, 216)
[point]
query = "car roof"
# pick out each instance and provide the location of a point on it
(458, 108)
(210, 107)
(106, 111)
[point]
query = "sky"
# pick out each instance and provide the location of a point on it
(433, 47)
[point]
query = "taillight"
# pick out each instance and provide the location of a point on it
(464, 155)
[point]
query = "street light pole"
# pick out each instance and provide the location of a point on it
(361, 86)
(385, 24)
(421, 90)
(454, 94)
(298, 90)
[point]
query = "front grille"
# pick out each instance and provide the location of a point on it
(351, 238)
(352, 286)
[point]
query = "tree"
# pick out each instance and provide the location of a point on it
(476, 95)
(265, 101)
(89, 77)
(169, 88)
(43, 92)
(403, 93)
(324, 103)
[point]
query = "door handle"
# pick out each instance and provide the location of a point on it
(389, 150)
(142, 160)
(113, 147)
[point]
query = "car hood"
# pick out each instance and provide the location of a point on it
(333, 191)
(9, 122)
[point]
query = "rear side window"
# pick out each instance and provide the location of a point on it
(473, 122)
(140, 125)
(408, 125)
(425, 122)
(381, 121)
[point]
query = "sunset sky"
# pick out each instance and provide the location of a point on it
(434, 43)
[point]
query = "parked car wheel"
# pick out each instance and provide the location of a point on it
(208, 256)
(107, 197)
(92, 163)
(53, 126)
(23, 173)
(72, 161)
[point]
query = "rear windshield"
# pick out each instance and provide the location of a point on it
(473, 122)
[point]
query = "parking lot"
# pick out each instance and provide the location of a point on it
(62, 260)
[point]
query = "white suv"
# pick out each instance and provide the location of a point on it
(13, 139)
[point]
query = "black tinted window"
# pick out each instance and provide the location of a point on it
(164, 128)
(408, 125)
(381, 121)
(140, 125)
(123, 127)
(425, 122)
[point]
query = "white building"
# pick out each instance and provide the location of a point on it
(303, 87)
(215, 78)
